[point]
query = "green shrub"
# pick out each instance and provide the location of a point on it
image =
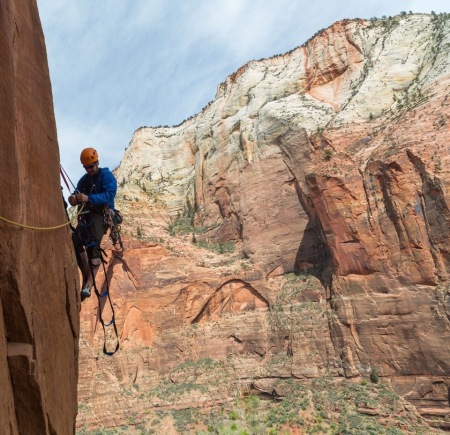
(373, 376)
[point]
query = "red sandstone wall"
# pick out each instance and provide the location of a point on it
(38, 299)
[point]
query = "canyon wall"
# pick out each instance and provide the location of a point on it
(39, 321)
(296, 228)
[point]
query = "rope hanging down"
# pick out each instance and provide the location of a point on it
(100, 306)
(100, 311)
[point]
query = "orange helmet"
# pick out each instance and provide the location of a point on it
(88, 156)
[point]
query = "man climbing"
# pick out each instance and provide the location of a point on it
(96, 190)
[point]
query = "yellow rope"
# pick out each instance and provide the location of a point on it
(42, 228)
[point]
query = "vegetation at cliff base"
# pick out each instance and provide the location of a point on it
(321, 406)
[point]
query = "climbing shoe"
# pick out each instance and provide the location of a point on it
(85, 293)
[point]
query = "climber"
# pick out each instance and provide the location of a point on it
(96, 190)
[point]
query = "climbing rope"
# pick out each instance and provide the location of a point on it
(66, 177)
(30, 227)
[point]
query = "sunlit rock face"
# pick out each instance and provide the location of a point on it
(331, 160)
(39, 321)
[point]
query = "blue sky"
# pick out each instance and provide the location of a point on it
(117, 65)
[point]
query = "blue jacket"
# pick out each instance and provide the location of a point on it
(101, 188)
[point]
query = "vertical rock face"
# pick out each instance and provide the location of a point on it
(327, 168)
(38, 279)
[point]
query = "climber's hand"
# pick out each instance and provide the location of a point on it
(72, 200)
(81, 197)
